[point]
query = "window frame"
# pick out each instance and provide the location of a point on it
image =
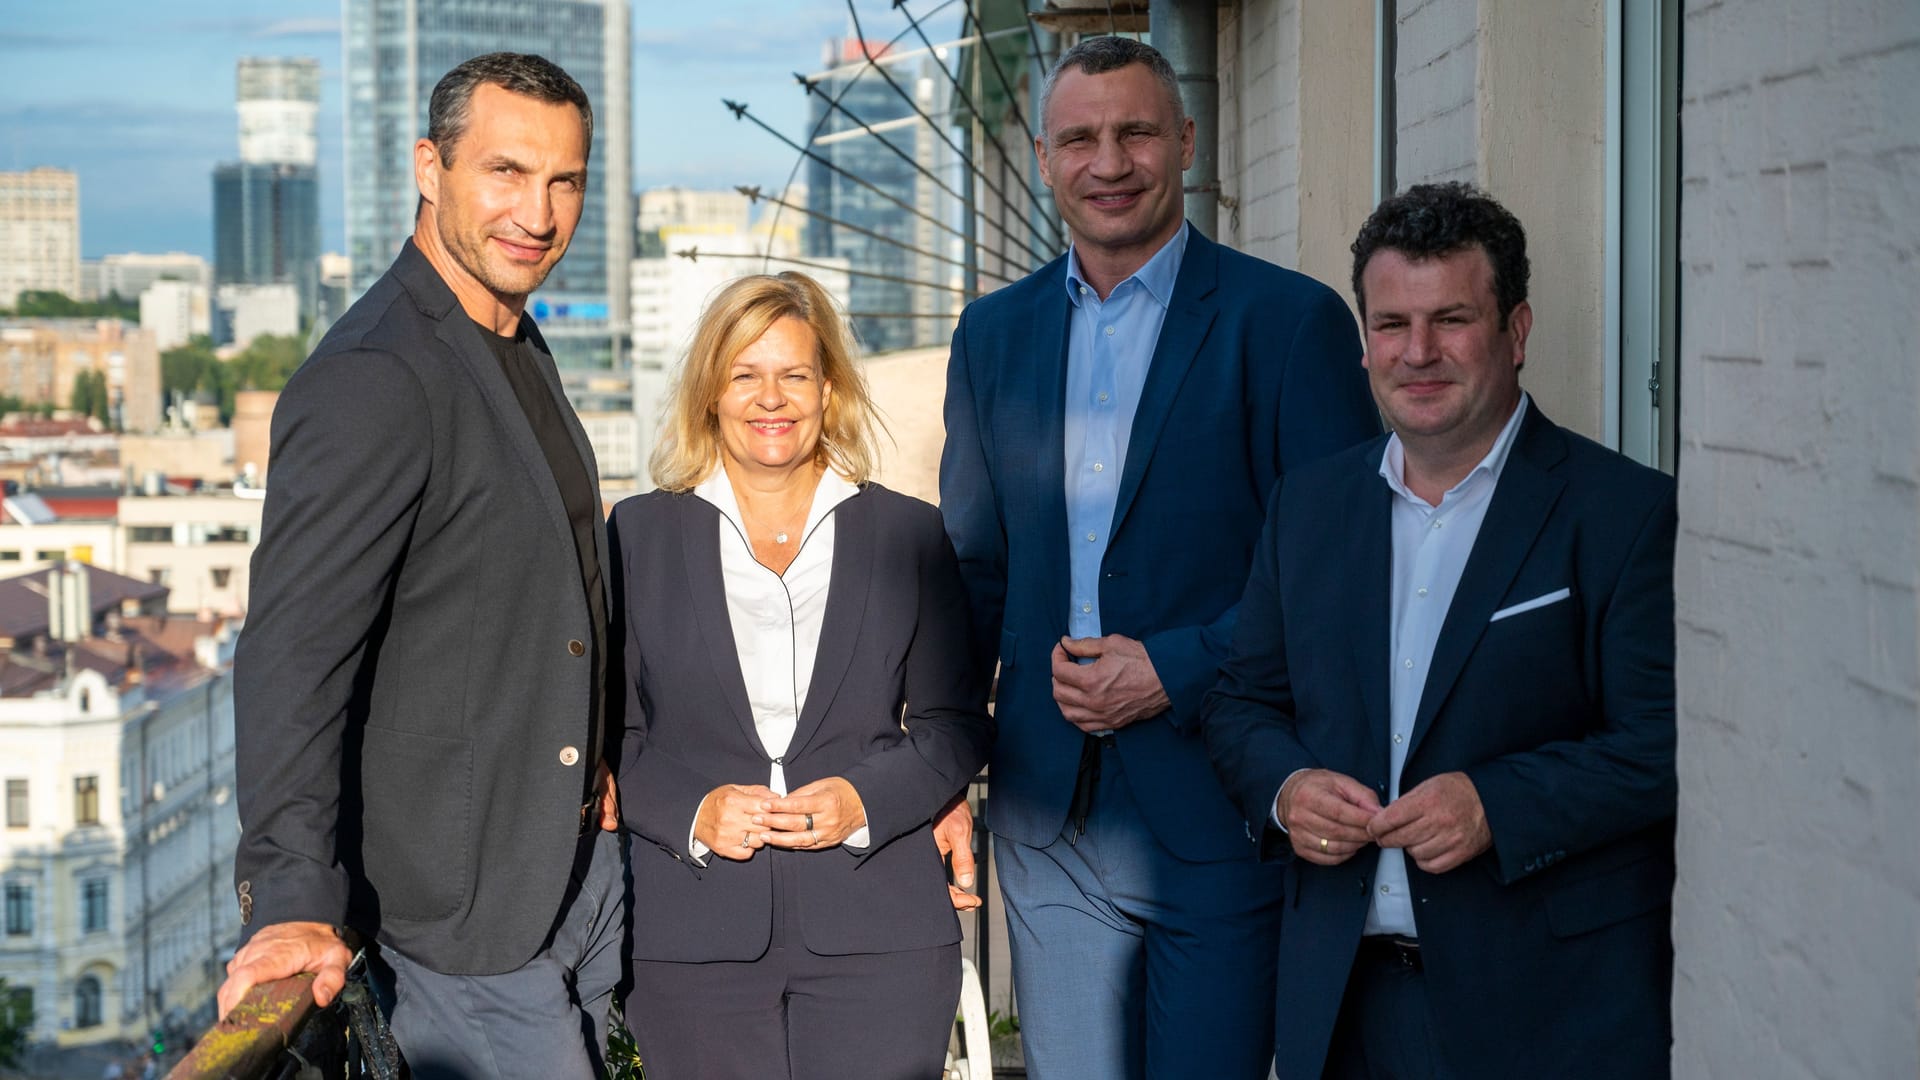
(19, 909)
(86, 800)
(96, 906)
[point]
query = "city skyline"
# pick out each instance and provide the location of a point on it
(141, 104)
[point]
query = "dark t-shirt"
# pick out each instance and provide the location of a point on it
(520, 359)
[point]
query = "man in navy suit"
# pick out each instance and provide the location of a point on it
(1449, 707)
(1115, 423)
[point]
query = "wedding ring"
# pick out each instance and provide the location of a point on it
(1323, 844)
(746, 839)
(809, 822)
(816, 837)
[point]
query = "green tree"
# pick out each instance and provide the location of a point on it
(47, 304)
(16, 1018)
(90, 396)
(266, 363)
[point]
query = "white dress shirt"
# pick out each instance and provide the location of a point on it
(1430, 549)
(776, 618)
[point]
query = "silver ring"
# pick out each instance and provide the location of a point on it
(746, 839)
(809, 822)
(816, 837)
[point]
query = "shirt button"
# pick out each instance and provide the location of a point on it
(1385, 891)
(1103, 397)
(1097, 467)
(1396, 740)
(1437, 524)
(569, 756)
(1083, 290)
(1090, 538)
(576, 648)
(1407, 663)
(1423, 592)
(1086, 609)
(1109, 331)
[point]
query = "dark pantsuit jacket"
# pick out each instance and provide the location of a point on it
(1549, 954)
(892, 653)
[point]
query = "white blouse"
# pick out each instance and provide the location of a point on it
(776, 618)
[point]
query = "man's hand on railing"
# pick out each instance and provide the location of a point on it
(953, 835)
(283, 950)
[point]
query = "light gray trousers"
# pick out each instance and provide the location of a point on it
(546, 1019)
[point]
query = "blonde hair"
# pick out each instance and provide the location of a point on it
(689, 443)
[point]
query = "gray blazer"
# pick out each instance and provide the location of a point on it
(412, 688)
(893, 706)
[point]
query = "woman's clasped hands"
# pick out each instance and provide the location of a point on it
(736, 820)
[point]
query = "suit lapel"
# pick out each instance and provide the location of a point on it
(578, 433)
(1526, 493)
(1190, 315)
(846, 610)
(700, 544)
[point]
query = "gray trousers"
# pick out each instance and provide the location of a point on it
(546, 1019)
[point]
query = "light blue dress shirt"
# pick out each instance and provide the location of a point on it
(1110, 345)
(1430, 549)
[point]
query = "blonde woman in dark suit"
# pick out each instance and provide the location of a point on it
(799, 707)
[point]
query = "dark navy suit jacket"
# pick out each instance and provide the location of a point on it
(1549, 954)
(1256, 372)
(892, 706)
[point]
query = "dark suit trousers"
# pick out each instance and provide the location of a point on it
(1386, 1029)
(794, 1013)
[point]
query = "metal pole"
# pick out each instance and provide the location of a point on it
(1187, 33)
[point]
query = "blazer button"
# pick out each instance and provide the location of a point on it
(569, 756)
(576, 648)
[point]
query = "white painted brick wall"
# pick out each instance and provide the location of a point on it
(1797, 915)
(1435, 52)
(1260, 127)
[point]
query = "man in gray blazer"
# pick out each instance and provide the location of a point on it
(418, 696)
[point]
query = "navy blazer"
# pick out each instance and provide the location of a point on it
(1256, 372)
(892, 706)
(1549, 954)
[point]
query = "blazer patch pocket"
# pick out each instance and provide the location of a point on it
(1541, 601)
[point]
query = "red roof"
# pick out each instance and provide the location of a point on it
(90, 507)
(21, 427)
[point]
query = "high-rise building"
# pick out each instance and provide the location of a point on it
(39, 233)
(868, 133)
(279, 103)
(266, 206)
(266, 227)
(396, 50)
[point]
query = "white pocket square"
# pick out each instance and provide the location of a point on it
(1553, 597)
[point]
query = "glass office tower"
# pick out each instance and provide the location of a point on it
(395, 51)
(266, 227)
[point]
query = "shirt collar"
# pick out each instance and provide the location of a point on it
(1157, 276)
(834, 489)
(1393, 462)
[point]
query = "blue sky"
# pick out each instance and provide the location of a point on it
(137, 97)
